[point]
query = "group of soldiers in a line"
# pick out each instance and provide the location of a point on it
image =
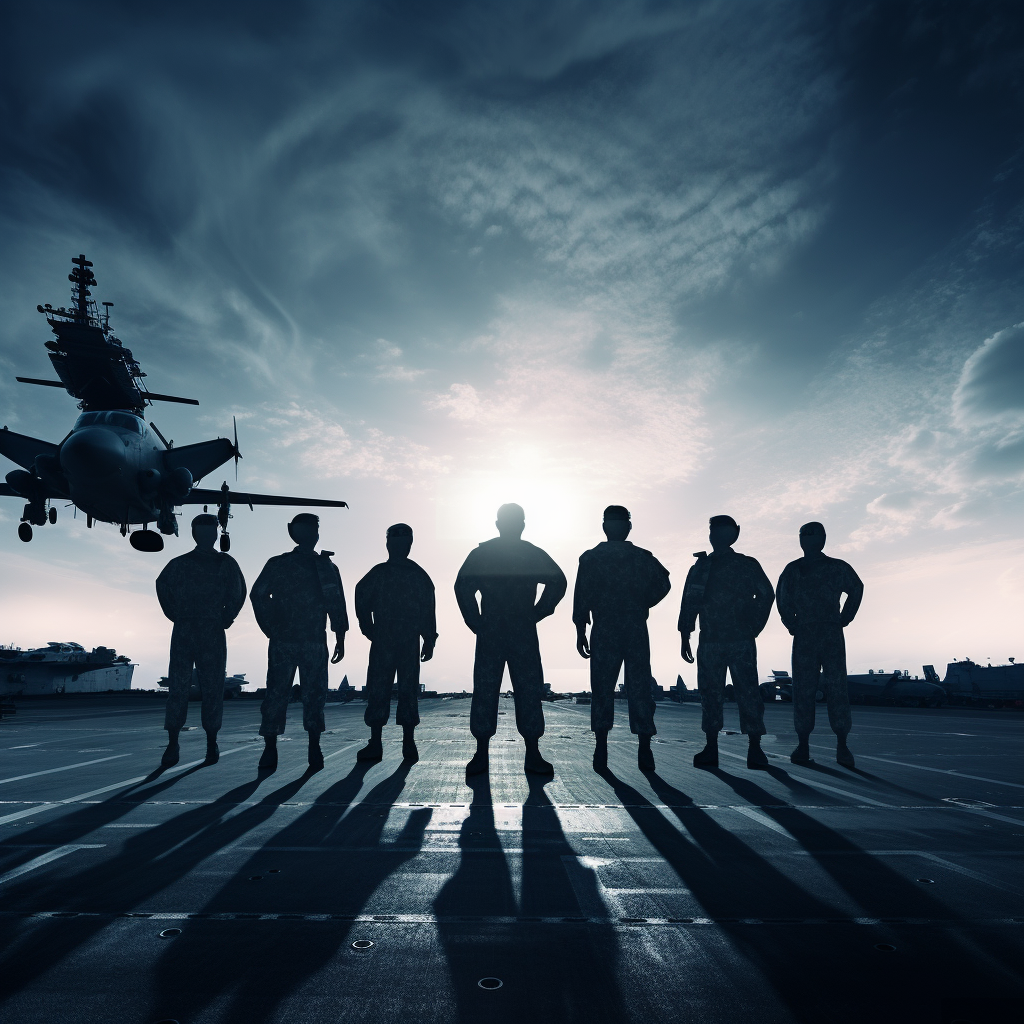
(617, 584)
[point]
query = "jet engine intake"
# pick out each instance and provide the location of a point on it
(25, 484)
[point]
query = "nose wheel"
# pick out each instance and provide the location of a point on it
(52, 515)
(25, 532)
(225, 542)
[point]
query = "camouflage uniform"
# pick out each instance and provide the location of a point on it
(618, 583)
(733, 598)
(292, 599)
(395, 607)
(506, 572)
(809, 593)
(201, 592)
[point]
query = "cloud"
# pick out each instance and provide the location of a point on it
(991, 387)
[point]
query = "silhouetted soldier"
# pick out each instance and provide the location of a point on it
(505, 572)
(395, 608)
(733, 598)
(292, 599)
(201, 592)
(809, 593)
(618, 583)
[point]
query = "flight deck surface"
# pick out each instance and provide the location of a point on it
(802, 893)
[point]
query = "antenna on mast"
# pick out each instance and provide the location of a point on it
(81, 277)
(106, 322)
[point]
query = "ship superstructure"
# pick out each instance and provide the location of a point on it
(63, 667)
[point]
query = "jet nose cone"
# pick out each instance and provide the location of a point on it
(92, 452)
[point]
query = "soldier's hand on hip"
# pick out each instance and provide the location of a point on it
(339, 649)
(428, 652)
(685, 649)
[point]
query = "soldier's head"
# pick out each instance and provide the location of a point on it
(812, 538)
(304, 529)
(617, 522)
(399, 542)
(511, 521)
(204, 531)
(723, 532)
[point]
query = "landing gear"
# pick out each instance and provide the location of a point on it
(25, 532)
(124, 529)
(52, 515)
(224, 512)
(88, 522)
(225, 542)
(146, 540)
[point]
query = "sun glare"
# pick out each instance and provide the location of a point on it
(467, 507)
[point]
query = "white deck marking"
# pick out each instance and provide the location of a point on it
(987, 814)
(46, 858)
(762, 819)
(976, 875)
(941, 771)
(41, 807)
(66, 768)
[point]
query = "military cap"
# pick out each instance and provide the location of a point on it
(305, 517)
(204, 519)
(812, 528)
(723, 521)
(400, 530)
(617, 512)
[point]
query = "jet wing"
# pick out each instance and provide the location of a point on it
(200, 459)
(206, 496)
(7, 491)
(23, 450)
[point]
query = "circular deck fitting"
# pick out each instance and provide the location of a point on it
(490, 983)
(927, 881)
(255, 878)
(885, 947)
(362, 944)
(170, 933)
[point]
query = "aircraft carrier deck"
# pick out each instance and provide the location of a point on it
(892, 893)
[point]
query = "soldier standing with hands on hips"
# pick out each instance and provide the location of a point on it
(201, 592)
(293, 598)
(733, 598)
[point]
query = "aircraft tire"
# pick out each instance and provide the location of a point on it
(52, 515)
(25, 532)
(225, 542)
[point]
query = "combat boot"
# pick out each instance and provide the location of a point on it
(644, 755)
(268, 760)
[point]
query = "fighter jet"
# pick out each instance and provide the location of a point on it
(112, 465)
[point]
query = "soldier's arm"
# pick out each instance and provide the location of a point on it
(467, 585)
(689, 605)
(428, 627)
(555, 586)
(581, 607)
(234, 597)
(166, 587)
(764, 596)
(658, 584)
(365, 601)
(261, 598)
(784, 600)
(337, 610)
(854, 590)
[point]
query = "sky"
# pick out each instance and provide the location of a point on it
(753, 258)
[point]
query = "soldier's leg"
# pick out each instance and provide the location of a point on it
(712, 661)
(605, 662)
(179, 677)
(211, 666)
(527, 674)
(282, 661)
(639, 697)
(806, 669)
(749, 701)
(637, 652)
(313, 679)
(380, 677)
(488, 668)
(832, 652)
(407, 714)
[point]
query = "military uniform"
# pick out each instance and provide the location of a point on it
(201, 592)
(618, 583)
(505, 572)
(733, 598)
(809, 594)
(292, 599)
(395, 607)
